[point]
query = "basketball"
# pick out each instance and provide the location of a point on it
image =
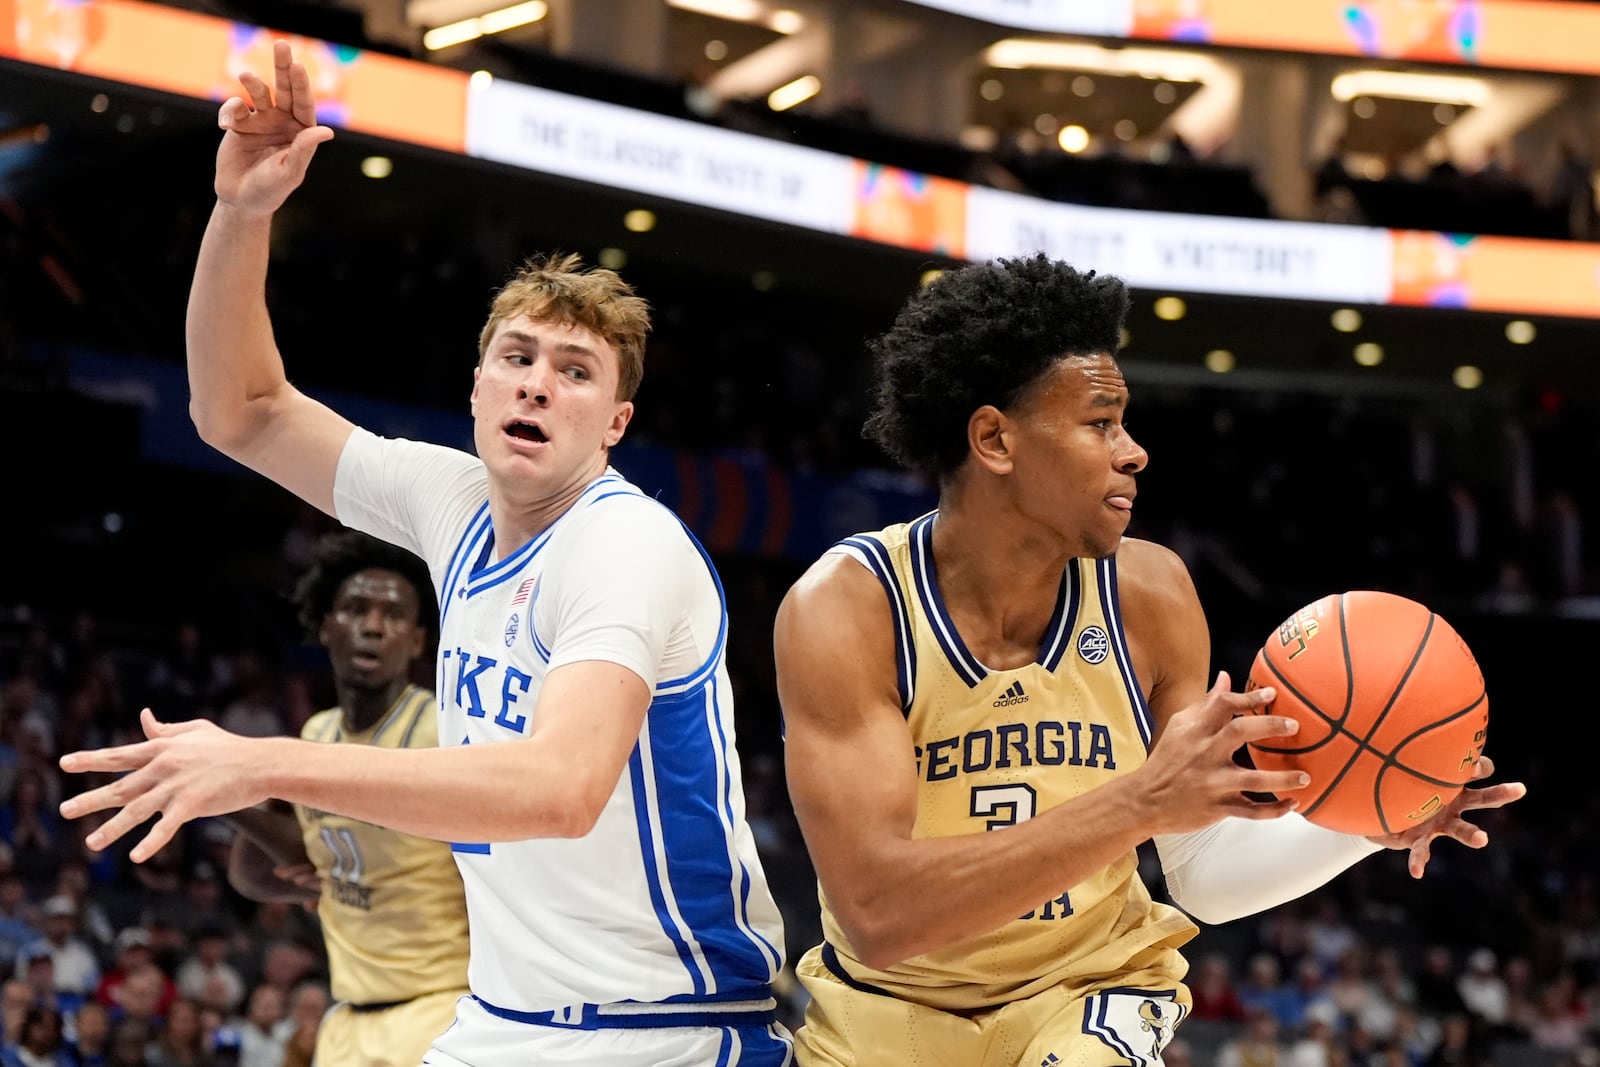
(1391, 705)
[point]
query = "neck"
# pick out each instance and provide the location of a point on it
(517, 522)
(364, 707)
(999, 573)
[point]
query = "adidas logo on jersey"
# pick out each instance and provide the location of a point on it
(1011, 696)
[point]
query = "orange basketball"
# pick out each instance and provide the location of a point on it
(1391, 706)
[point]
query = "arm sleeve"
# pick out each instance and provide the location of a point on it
(631, 589)
(1239, 867)
(416, 495)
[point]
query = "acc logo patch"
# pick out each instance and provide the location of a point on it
(513, 624)
(1094, 645)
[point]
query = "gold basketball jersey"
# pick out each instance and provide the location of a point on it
(393, 914)
(995, 748)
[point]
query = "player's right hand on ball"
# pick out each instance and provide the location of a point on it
(1191, 775)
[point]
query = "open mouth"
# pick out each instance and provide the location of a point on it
(365, 660)
(527, 431)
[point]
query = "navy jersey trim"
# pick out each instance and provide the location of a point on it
(483, 578)
(1107, 569)
(830, 960)
(875, 556)
(1058, 635)
(926, 574)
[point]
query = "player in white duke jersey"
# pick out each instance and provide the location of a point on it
(586, 775)
(988, 709)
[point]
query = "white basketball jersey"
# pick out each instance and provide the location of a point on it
(665, 898)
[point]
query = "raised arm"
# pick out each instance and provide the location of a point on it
(240, 398)
(853, 777)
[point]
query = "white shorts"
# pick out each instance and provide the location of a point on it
(479, 1038)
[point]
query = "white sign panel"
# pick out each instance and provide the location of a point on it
(1096, 18)
(655, 154)
(1189, 253)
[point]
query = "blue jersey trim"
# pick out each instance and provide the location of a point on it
(964, 663)
(872, 552)
(760, 1012)
(1108, 596)
(701, 890)
(1058, 635)
(475, 527)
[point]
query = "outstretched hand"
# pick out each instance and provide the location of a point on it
(1449, 823)
(271, 136)
(184, 771)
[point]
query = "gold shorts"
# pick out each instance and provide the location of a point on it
(1126, 1025)
(390, 1037)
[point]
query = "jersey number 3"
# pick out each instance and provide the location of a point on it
(1007, 805)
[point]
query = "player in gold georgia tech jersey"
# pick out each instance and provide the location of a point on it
(393, 917)
(987, 710)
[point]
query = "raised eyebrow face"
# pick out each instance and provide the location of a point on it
(527, 340)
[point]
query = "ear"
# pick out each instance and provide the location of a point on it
(619, 423)
(477, 373)
(989, 439)
(322, 630)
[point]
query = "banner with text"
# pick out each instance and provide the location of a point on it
(625, 149)
(1193, 253)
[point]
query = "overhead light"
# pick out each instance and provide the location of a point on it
(1170, 308)
(612, 258)
(796, 92)
(1219, 361)
(639, 220)
(497, 21)
(1436, 88)
(1020, 53)
(716, 50)
(1073, 139)
(781, 20)
(1368, 354)
(377, 166)
(991, 89)
(1346, 320)
(1467, 376)
(480, 80)
(763, 280)
(1520, 332)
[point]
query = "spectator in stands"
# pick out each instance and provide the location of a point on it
(1263, 989)
(307, 1005)
(188, 676)
(1437, 991)
(1482, 989)
(41, 1043)
(91, 1035)
(29, 825)
(1256, 1046)
(129, 1038)
(261, 1040)
(16, 921)
(17, 998)
(139, 997)
(208, 977)
(181, 1042)
(133, 955)
(76, 971)
(1211, 986)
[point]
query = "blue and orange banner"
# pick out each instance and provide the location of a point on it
(200, 56)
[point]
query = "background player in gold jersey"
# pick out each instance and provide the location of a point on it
(393, 916)
(989, 709)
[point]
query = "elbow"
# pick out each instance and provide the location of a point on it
(873, 937)
(1204, 910)
(571, 816)
(220, 433)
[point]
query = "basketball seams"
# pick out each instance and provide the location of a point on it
(1408, 729)
(1364, 744)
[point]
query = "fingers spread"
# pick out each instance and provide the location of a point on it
(282, 65)
(121, 758)
(1483, 769)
